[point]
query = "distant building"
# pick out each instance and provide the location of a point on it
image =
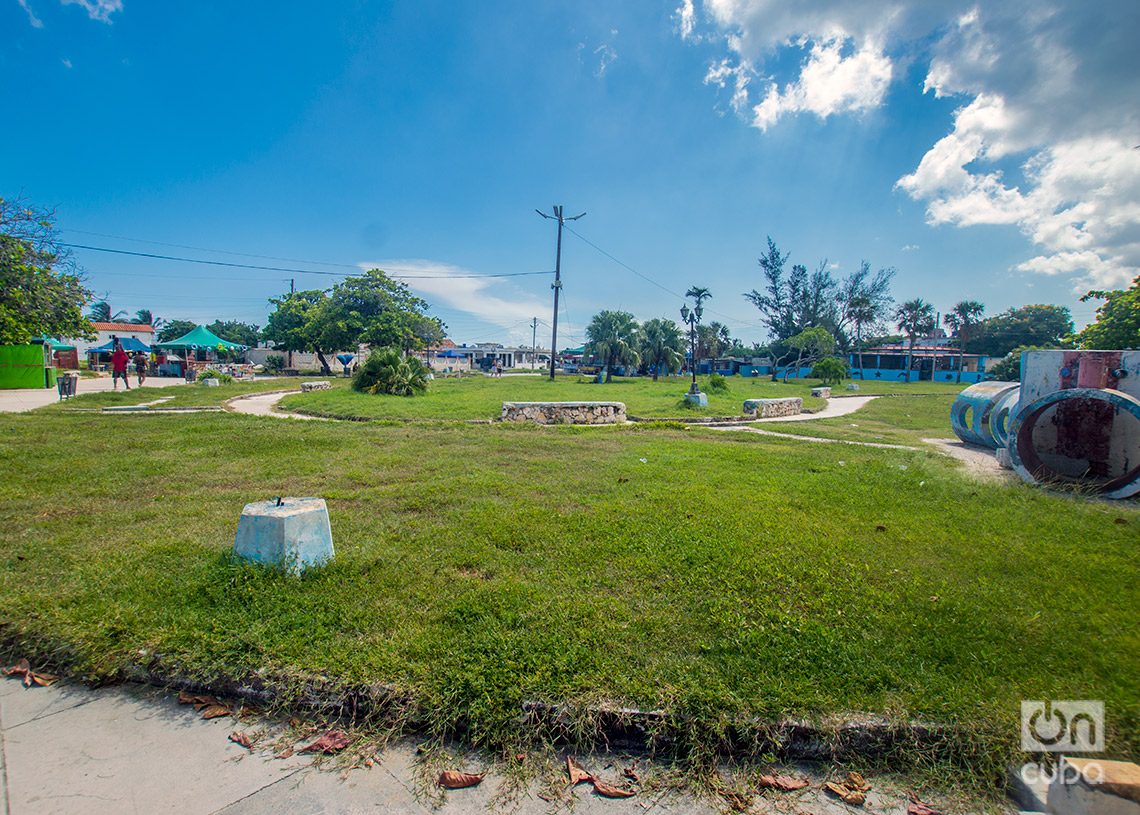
(105, 331)
(931, 361)
(483, 356)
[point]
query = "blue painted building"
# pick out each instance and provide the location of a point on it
(928, 363)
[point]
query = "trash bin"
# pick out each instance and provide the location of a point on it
(66, 385)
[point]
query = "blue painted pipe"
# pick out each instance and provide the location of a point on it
(982, 400)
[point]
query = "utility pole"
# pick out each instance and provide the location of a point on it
(533, 339)
(557, 284)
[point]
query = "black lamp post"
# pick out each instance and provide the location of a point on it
(693, 318)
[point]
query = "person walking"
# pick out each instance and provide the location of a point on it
(119, 368)
(140, 363)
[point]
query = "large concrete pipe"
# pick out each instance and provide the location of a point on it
(1084, 437)
(974, 412)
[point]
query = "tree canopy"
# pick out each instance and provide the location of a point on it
(245, 334)
(612, 336)
(41, 290)
(1037, 325)
(1117, 323)
(791, 302)
(370, 309)
(173, 329)
(662, 346)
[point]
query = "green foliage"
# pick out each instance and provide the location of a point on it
(175, 329)
(661, 345)
(211, 373)
(810, 346)
(791, 302)
(274, 362)
(716, 382)
(40, 295)
(713, 340)
(387, 371)
(100, 312)
(246, 334)
(612, 336)
(1117, 323)
(1008, 369)
(1038, 325)
(831, 370)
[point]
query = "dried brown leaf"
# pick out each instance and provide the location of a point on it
(185, 698)
(242, 738)
(43, 680)
(786, 783)
(631, 773)
(576, 772)
(1119, 521)
(849, 796)
(21, 668)
(288, 751)
(214, 711)
(855, 781)
(917, 807)
(453, 780)
(611, 792)
(330, 742)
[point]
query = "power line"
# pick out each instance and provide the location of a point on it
(219, 251)
(296, 271)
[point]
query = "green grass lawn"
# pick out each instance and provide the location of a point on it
(887, 420)
(482, 397)
(706, 574)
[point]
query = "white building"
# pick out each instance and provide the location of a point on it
(104, 332)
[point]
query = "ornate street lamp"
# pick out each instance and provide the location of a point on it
(693, 318)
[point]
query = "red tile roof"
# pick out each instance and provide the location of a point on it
(123, 327)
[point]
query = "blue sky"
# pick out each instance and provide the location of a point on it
(985, 150)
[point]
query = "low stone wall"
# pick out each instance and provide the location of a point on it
(771, 408)
(319, 385)
(821, 393)
(564, 412)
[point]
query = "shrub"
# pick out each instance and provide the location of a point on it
(1008, 369)
(210, 373)
(387, 371)
(274, 362)
(831, 370)
(717, 382)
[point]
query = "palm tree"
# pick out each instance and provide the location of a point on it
(100, 312)
(662, 345)
(611, 335)
(964, 317)
(862, 312)
(914, 318)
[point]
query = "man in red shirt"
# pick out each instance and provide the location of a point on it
(119, 368)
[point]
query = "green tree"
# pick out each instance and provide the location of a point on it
(173, 329)
(862, 313)
(1117, 323)
(810, 346)
(375, 310)
(246, 334)
(36, 299)
(388, 371)
(661, 346)
(915, 318)
(832, 370)
(296, 322)
(1038, 325)
(612, 336)
(713, 339)
(100, 312)
(963, 319)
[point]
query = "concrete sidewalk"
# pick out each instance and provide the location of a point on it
(131, 749)
(18, 401)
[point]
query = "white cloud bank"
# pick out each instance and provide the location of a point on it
(1048, 95)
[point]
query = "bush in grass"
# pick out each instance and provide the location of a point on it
(387, 371)
(274, 362)
(831, 370)
(210, 373)
(717, 382)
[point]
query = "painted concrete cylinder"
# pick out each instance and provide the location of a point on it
(698, 398)
(290, 533)
(972, 413)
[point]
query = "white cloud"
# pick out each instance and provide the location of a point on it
(686, 17)
(605, 55)
(67, 62)
(1043, 139)
(910, 247)
(830, 81)
(454, 287)
(97, 9)
(32, 18)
